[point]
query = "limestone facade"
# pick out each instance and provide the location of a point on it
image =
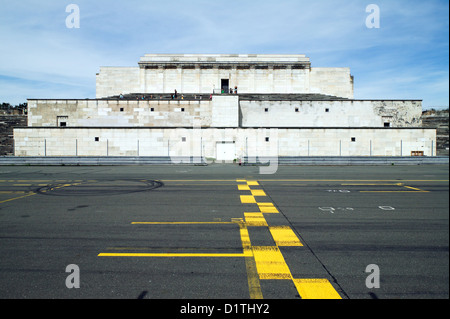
(224, 111)
(283, 107)
(250, 73)
(208, 142)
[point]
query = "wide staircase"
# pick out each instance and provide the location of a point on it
(244, 97)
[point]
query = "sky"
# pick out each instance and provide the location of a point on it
(405, 57)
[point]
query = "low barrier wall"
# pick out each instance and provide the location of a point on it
(99, 160)
(143, 160)
(347, 160)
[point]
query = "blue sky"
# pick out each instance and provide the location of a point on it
(406, 58)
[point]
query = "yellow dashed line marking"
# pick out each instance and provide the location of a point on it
(248, 199)
(284, 236)
(269, 260)
(243, 187)
(267, 208)
(262, 262)
(258, 192)
(270, 263)
(255, 219)
(316, 289)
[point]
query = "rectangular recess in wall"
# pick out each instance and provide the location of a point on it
(61, 121)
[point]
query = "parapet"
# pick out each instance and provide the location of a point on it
(237, 59)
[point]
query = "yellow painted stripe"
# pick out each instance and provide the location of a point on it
(270, 263)
(258, 192)
(246, 199)
(24, 181)
(394, 191)
(316, 289)
(243, 187)
(417, 189)
(396, 184)
(11, 199)
(179, 223)
(267, 208)
(245, 239)
(197, 180)
(352, 180)
(13, 192)
(254, 286)
(252, 183)
(265, 204)
(291, 180)
(202, 184)
(245, 254)
(255, 219)
(284, 236)
(64, 185)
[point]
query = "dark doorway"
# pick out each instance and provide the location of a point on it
(225, 86)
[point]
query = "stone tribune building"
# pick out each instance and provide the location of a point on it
(226, 107)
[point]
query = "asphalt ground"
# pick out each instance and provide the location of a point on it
(224, 232)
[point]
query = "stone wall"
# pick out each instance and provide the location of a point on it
(242, 141)
(114, 113)
(342, 113)
(440, 121)
(331, 81)
(7, 123)
(116, 80)
(205, 73)
(224, 111)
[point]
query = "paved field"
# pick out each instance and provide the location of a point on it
(224, 231)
